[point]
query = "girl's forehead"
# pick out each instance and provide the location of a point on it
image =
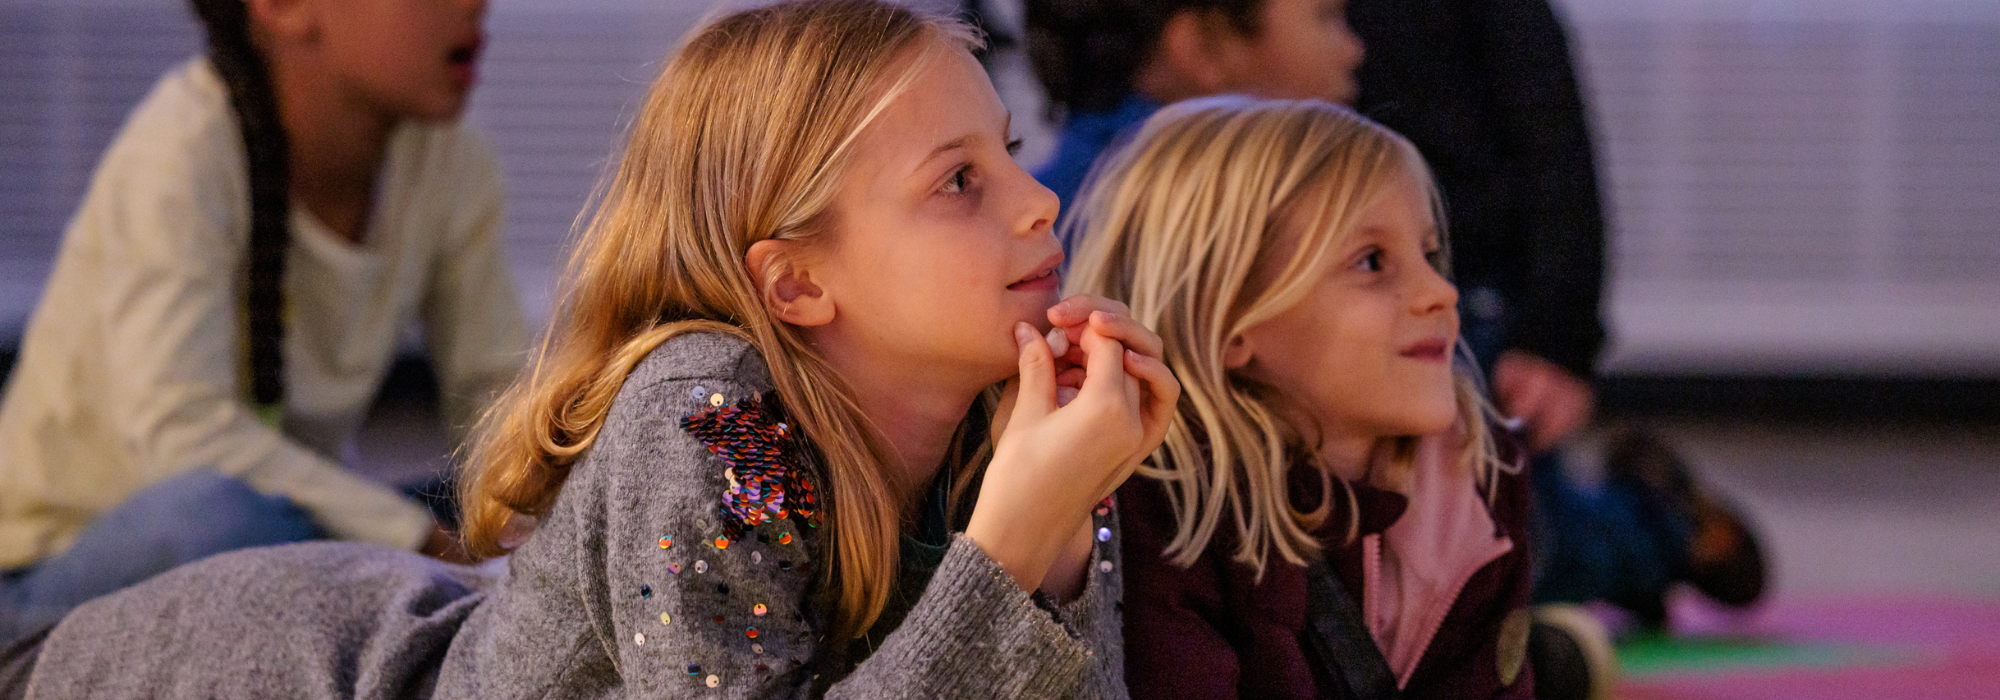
(941, 100)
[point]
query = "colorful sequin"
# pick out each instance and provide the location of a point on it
(666, 542)
(759, 610)
(750, 632)
(768, 480)
(674, 567)
(645, 591)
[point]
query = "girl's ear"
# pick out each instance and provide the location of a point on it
(787, 288)
(1236, 353)
(292, 20)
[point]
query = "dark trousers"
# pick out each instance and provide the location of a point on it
(1605, 543)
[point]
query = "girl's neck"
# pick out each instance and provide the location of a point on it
(337, 145)
(1346, 456)
(914, 412)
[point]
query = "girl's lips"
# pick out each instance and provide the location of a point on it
(1038, 283)
(1432, 350)
(1042, 279)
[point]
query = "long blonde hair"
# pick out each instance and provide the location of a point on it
(743, 138)
(1184, 225)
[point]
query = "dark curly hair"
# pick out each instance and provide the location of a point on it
(1086, 52)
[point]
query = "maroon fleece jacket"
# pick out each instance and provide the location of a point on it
(1213, 631)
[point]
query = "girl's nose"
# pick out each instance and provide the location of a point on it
(1433, 291)
(1038, 209)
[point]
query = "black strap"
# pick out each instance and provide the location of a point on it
(1340, 636)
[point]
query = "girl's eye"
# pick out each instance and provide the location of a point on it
(956, 183)
(1014, 147)
(1435, 257)
(1372, 262)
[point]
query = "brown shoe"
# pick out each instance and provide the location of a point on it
(1724, 560)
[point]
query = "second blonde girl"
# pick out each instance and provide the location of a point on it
(1290, 255)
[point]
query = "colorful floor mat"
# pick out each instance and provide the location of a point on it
(1849, 648)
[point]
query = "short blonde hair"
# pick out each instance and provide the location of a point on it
(1183, 224)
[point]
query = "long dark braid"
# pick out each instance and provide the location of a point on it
(248, 76)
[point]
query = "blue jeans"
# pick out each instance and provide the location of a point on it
(179, 520)
(1608, 543)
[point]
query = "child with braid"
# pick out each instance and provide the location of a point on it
(233, 289)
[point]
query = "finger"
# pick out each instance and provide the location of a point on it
(1036, 395)
(1534, 411)
(1568, 413)
(1531, 405)
(1058, 342)
(1127, 331)
(1506, 387)
(1071, 377)
(1104, 369)
(1163, 395)
(1064, 395)
(1556, 428)
(1076, 357)
(1075, 310)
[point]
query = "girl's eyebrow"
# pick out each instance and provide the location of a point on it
(1006, 127)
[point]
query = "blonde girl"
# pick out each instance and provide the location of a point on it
(1328, 516)
(750, 459)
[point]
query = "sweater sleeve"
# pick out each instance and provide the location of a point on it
(173, 239)
(686, 607)
(472, 314)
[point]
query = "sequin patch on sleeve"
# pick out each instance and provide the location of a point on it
(768, 480)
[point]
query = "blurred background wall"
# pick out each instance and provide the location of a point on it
(1797, 187)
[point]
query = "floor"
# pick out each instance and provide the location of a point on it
(1884, 539)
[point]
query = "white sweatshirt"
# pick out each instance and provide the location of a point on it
(133, 367)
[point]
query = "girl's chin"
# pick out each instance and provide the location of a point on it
(1033, 307)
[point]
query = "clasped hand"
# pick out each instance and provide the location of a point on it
(1070, 428)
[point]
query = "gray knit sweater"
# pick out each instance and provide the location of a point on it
(623, 591)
